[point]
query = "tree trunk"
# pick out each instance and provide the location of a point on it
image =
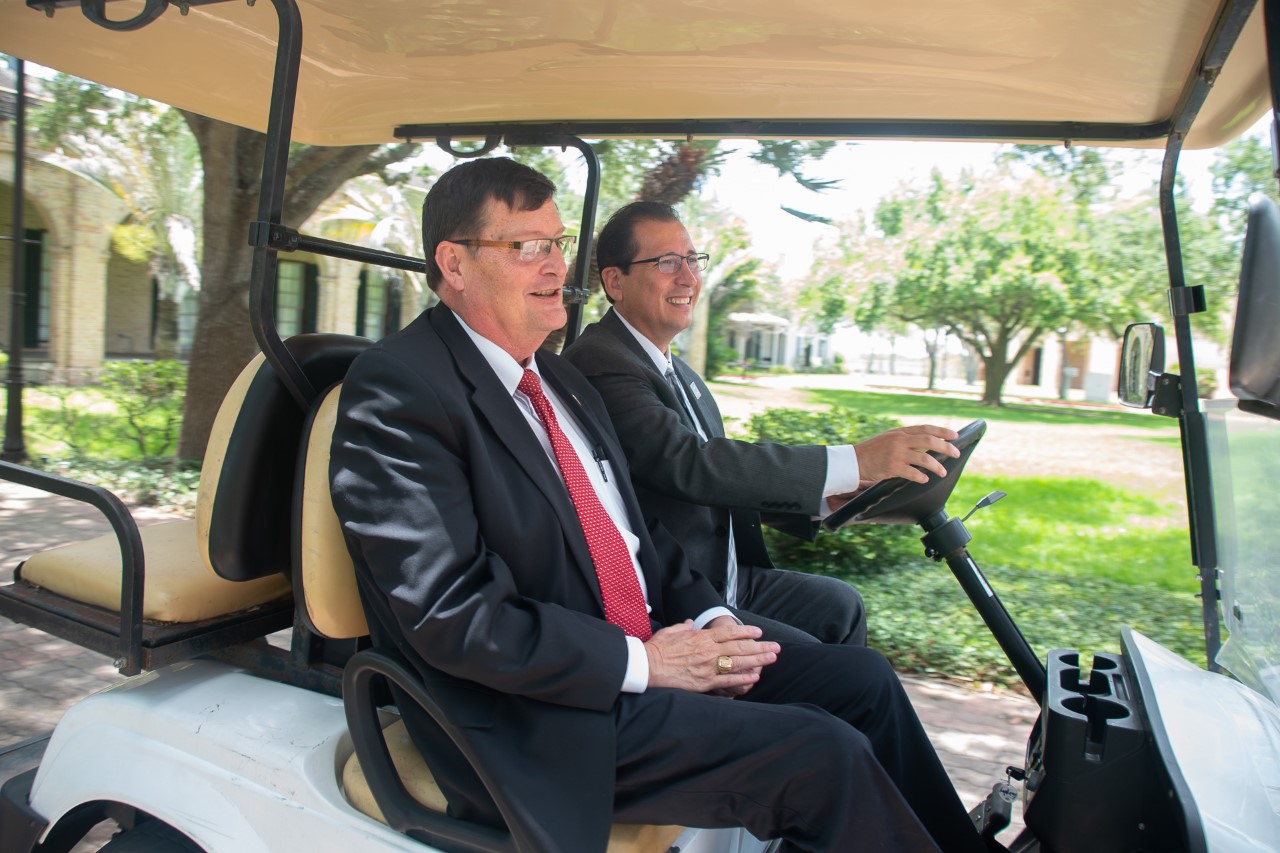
(697, 356)
(932, 344)
(998, 368)
(232, 159)
(164, 343)
(223, 342)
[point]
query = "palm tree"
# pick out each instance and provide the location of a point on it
(148, 158)
(372, 211)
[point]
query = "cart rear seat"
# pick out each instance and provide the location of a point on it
(190, 586)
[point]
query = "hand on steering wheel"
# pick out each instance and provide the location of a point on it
(908, 500)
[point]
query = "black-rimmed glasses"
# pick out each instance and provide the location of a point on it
(670, 262)
(530, 250)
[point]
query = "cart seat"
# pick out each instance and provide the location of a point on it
(178, 584)
(329, 604)
(211, 582)
(417, 779)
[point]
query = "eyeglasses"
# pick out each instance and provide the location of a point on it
(530, 250)
(670, 263)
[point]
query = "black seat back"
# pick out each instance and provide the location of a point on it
(244, 508)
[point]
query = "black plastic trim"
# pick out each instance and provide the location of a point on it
(20, 825)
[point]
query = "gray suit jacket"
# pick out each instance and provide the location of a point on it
(690, 485)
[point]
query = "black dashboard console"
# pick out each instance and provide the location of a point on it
(1094, 779)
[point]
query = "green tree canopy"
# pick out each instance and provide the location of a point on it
(995, 262)
(231, 161)
(1241, 168)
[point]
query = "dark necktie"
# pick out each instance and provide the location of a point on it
(619, 587)
(685, 414)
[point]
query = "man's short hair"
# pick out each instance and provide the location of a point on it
(616, 245)
(454, 208)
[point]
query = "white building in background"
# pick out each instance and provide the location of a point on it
(772, 341)
(1061, 365)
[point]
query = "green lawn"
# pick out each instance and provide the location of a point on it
(918, 406)
(1079, 528)
(1073, 559)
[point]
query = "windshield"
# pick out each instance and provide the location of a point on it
(1245, 450)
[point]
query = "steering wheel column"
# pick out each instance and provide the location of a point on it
(945, 538)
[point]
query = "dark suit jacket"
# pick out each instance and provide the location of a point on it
(693, 486)
(473, 564)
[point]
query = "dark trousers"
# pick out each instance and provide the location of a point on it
(794, 606)
(825, 751)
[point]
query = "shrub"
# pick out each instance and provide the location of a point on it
(134, 414)
(921, 620)
(148, 395)
(165, 483)
(1206, 380)
(79, 424)
(859, 548)
(720, 357)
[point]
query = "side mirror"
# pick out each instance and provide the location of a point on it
(1141, 364)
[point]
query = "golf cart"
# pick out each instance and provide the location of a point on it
(222, 740)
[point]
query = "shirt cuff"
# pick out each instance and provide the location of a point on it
(637, 676)
(712, 613)
(842, 470)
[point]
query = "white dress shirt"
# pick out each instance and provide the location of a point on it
(599, 472)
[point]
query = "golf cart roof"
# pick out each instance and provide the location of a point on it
(1086, 70)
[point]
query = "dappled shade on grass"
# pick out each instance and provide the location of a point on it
(921, 620)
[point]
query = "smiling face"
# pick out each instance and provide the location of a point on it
(513, 303)
(660, 305)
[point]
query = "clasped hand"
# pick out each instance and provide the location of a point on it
(685, 657)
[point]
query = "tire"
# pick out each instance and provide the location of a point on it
(150, 837)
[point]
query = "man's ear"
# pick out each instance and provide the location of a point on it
(449, 258)
(611, 280)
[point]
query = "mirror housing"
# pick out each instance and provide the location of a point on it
(1141, 364)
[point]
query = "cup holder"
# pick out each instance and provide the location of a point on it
(1098, 714)
(1094, 708)
(1100, 675)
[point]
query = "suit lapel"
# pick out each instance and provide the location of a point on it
(496, 407)
(709, 419)
(699, 396)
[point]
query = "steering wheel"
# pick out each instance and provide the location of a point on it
(901, 501)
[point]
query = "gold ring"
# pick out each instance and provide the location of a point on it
(724, 665)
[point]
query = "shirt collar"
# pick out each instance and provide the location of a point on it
(508, 370)
(661, 360)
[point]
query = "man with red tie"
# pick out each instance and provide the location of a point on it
(500, 548)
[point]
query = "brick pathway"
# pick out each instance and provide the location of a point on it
(976, 734)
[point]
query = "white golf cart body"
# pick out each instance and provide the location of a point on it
(240, 761)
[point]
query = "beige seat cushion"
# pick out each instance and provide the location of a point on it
(326, 573)
(179, 586)
(417, 778)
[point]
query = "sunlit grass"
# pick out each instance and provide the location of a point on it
(1074, 560)
(1078, 527)
(920, 406)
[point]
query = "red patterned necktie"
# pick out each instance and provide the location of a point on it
(620, 588)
